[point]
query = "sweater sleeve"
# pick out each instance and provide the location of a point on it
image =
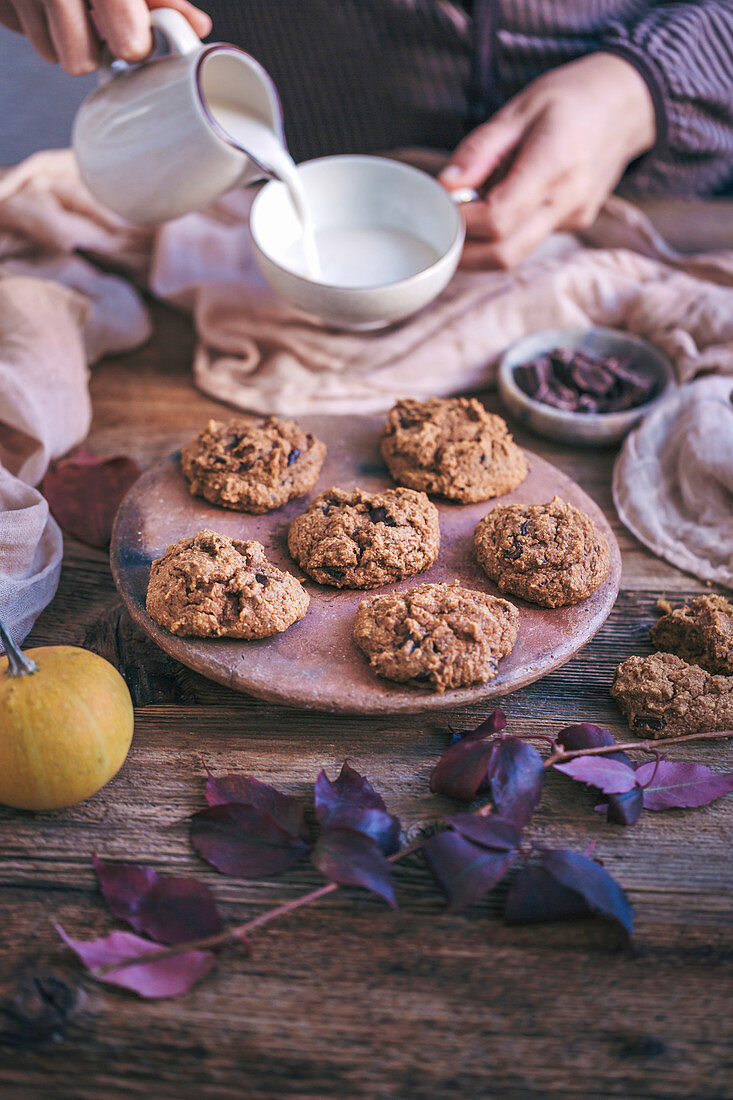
(684, 51)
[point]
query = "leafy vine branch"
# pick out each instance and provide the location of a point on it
(251, 830)
(240, 932)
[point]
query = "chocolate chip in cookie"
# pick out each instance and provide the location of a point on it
(452, 447)
(664, 696)
(252, 466)
(211, 586)
(438, 636)
(354, 539)
(550, 554)
(701, 632)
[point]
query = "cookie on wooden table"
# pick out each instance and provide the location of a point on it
(252, 466)
(452, 447)
(549, 554)
(211, 586)
(354, 539)
(437, 636)
(664, 696)
(701, 632)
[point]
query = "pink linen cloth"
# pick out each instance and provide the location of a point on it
(258, 354)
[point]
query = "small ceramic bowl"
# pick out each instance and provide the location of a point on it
(575, 427)
(365, 192)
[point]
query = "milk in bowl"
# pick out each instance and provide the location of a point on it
(387, 239)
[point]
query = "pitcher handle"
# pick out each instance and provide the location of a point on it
(176, 30)
(172, 34)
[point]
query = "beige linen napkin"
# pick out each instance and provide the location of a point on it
(58, 313)
(258, 354)
(673, 481)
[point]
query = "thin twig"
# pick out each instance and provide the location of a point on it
(652, 746)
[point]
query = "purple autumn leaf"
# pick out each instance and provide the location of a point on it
(463, 870)
(625, 809)
(547, 896)
(165, 978)
(169, 908)
(584, 735)
(462, 769)
(535, 895)
(490, 832)
(672, 784)
(620, 809)
(283, 808)
(602, 893)
(350, 802)
(492, 725)
(354, 859)
(609, 776)
(244, 841)
(516, 774)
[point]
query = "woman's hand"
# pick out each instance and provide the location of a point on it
(550, 157)
(69, 31)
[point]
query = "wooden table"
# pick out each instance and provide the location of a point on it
(349, 999)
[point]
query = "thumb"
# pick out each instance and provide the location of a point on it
(481, 152)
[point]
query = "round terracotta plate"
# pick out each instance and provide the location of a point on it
(315, 663)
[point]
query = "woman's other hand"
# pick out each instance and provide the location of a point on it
(549, 158)
(69, 32)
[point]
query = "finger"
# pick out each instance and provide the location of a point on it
(125, 27)
(33, 24)
(512, 250)
(73, 36)
(538, 170)
(479, 154)
(8, 17)
(198, 19)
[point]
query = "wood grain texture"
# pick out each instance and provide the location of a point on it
(349, 999)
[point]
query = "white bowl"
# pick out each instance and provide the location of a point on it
(576, 427)
(359, 192)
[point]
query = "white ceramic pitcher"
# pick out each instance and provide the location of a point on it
(146, 142)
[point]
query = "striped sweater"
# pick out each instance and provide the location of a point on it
(365, 75)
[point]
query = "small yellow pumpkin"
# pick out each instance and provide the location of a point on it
(66, 724)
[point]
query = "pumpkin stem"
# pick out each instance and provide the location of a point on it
(18, 663)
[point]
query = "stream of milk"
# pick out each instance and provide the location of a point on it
(343, 255)
(257, 138)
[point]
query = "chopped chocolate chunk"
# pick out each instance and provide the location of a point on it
(381, 515)
(263, 579)
(333, 571)
(648, 722)
(577, 381)
(293, 456)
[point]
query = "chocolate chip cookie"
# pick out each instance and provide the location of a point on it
(211, 586)
(252, 466)
(452, 447)
(353, 539)
(437, 636)
(663, 696)
(550, 554)
(701, 632)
